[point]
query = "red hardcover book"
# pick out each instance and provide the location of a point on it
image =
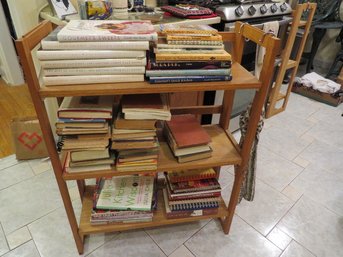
(195, 185)
(187, 131)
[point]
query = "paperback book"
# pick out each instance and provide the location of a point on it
(107, 30)
(127, 193)
(51, 42)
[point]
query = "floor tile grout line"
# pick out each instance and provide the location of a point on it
(96, 248)
(155, 242)
(189, 250)
(3, 231)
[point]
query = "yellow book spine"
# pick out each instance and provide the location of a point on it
(193, 57)
(185, 37)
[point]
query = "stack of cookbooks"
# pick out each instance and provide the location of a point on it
(134, 132)
(191, 193)
(124, 199)
(96, 51)
(188, 53)
(187, 139)
(84, 130)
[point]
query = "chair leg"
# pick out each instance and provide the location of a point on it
(338, 58)
(318, 35)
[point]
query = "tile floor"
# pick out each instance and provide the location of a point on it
(297, 211)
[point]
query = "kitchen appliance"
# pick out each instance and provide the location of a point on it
(255, 12)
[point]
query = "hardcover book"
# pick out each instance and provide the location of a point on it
(51, 42)
(187, 29)
(147, 106)
(127, 193)
(86, 155)
(93, 63)
(187, 79)
(195, 37)
(94, 71)
(88, 54)
(83, 107)
(194, 185)
(187, 131)
(107, 30)
(90, 79)
(184, 73)
(186, 175)
(193, 57)
(121, 123)
(185, 213)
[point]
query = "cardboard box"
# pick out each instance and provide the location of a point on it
(28, 139)
(317, 95)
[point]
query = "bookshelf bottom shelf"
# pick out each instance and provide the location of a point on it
(159, 219)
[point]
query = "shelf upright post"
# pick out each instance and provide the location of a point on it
(272, 45)
(24, 48)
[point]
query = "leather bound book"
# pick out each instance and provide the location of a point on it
(187, 131)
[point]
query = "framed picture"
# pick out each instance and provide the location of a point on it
(62, 8)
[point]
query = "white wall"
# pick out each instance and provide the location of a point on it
(25, 14)
(9, 65)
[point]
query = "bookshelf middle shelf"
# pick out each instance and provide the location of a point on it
(242, 79)
(225, 152)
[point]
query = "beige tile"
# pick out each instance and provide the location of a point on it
(315, 227)
(3, 243)
(275, 170)
(292, 193)
(26, 250)
(295, 250)
(53, 237)
(279, 238)
(15, 174)
(8, 161)
(169, 238)
(242, 241)
(40, 165)
(18, 237)
(265, 211)
(182, 251)
(129, 243)
(301, 162)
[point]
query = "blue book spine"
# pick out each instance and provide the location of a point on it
(185, 79)
(198, 72)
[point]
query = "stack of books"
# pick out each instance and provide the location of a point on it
(83, 127)
(124, 199)
(188, 53)
(187, 139)
(191, 193)
(134, 132)
(96, 51)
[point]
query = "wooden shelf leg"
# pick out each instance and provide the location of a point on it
(239, 176)
(81, 185)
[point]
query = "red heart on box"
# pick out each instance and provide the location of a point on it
(30, 140)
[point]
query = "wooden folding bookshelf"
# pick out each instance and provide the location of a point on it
(275, 95)
(226, 150)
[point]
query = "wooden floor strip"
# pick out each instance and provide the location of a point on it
(15, 101)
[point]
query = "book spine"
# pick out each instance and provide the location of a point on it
(184, 214)
(194, 42)
(195, 72)
(169, 46)
(94, 71)
(193, 37)
(188, 51)
(90, 79)
(93, 63)
(128, 45)
(152, 65)
(87, 54)
(194, 206)
(113, 37)
(193, 57)
(185, 79)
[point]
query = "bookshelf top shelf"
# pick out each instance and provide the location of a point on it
(242, 79)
